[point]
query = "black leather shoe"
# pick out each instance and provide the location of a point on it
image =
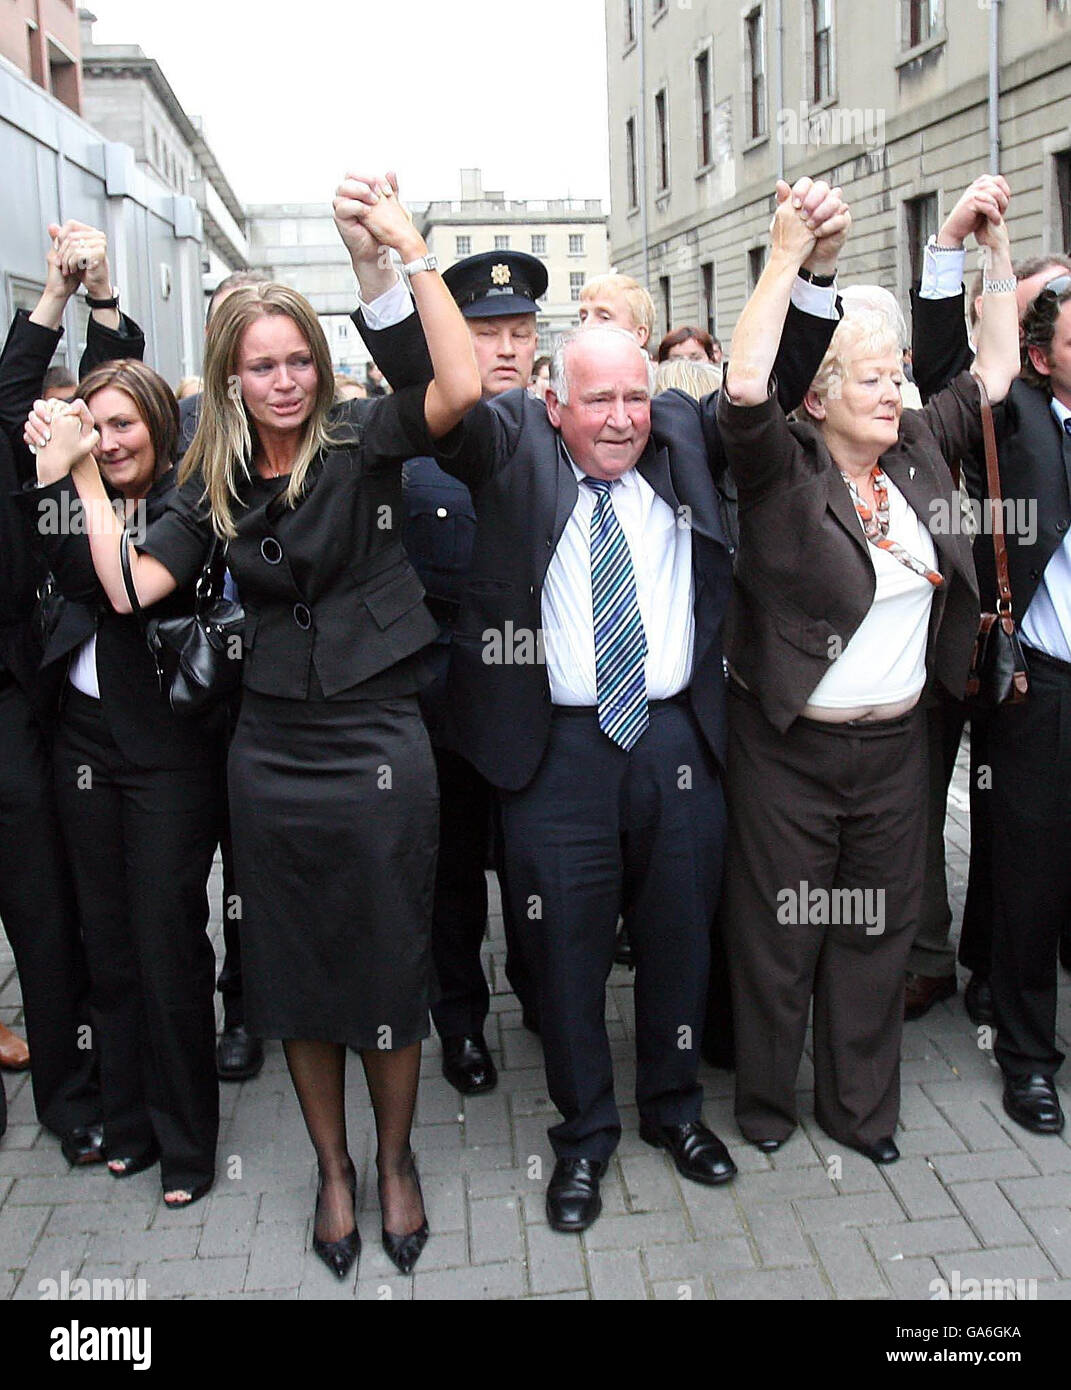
(623, 948)
(573, 1200)
(881, 1151)
(768, 1146)
(467, 1065)
(697, 1151)
(83, 1145)
(978, 1000)
(238, 1056)
(1032, 1102)
(337, 1255)
(405, 1250)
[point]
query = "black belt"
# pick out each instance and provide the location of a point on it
(681, 698)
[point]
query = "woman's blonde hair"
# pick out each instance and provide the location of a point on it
(696, 379)
(864, 331)
(222, 449)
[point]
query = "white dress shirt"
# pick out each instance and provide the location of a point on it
(661, 551)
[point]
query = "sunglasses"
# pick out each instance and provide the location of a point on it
(1057, 288)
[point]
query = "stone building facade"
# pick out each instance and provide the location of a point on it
(710, 101)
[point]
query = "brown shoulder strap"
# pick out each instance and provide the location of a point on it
(995, 504)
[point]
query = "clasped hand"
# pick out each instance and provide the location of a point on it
(369, 216)
(812, 221)
(61, 434)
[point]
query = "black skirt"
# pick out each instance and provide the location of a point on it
(334, 814)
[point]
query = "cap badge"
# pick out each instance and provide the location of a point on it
(500, 275)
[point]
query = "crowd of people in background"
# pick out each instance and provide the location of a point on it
(677, 641)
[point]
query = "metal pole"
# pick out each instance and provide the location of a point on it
(994, 86)
(779, 84)
(641, 23)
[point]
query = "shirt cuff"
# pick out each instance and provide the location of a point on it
(942, 271)
(387, 309)
(817, 300)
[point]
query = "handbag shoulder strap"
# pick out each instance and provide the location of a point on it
(996, 505)
(128, 579)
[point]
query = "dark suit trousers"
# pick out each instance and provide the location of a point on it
(229, 983)
(141, 843)
(829, 807)
(1030, 753)
(599, 832)
(931, 953)
(38, 909)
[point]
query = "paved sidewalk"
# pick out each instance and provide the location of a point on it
(973, 1193)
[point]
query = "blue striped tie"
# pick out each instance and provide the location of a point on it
(620, 641)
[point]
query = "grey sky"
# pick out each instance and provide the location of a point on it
(293, 93)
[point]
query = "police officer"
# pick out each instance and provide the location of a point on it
(497, 293)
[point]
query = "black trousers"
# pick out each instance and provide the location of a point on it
(467, 810)
(1030, 754)
(599, 832)
(822, 807)
(37, 905)
(931, 953)
(141, 842)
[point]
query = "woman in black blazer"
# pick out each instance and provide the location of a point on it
(332, 782)
(135, 790)
(854, 592)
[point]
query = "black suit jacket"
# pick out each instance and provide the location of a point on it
(189, 415)
(524, 491)
(1033, 454)
(805, 578)
(25, 358)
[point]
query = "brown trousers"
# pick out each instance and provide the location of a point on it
(827, 843)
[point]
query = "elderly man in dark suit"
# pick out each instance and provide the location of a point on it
(587, 685)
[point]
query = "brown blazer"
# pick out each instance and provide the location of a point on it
(804, 578)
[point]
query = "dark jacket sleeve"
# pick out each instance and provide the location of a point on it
(954, 415)
(939, 346)
(189, 418)
(26, 354)
(57, 519)
(399, 352)
(109, 344)
(803, 345)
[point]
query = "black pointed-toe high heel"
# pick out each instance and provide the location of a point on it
(338, 1255)
(405, 1250)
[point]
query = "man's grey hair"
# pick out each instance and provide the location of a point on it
(876, 298)
(559, 379)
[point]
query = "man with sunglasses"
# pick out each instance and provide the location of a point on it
(1029, 752)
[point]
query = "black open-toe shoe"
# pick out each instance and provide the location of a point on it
(130, 1166)
(404, 1250)
(338, 1255)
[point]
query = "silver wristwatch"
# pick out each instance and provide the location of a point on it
(421, 263)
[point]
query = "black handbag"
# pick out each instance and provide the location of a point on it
(198, 656)
(998, 674)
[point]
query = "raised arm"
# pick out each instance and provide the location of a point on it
(362, 209)
(760, 327)
(997, 360)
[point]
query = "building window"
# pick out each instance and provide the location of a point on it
(922, 20)
(630, 161)
(704, 102)
(710, 316)
(576, 243)
(756, 260)
(462, 246)
(576, 284)
(661, 140)
(921, 225)
(822, 49)
(1063, 197)
(665, 298)
(539, 244)
(630, 22)
(501, 243)
(756, 66)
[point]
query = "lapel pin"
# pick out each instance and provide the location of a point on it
(911, 472)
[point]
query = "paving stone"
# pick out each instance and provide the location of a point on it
(177, 1278)
(928, 1143)
(911, 1279)
(714, 1213)
(824, 1213)
(1011, 1262)
(20, 1228)
(990, 1213)
(849, 1265)
(487, 1118)
(686, 1291)
(477, 1282)
(276, 1258)
(444, 1201)
(1037, 1192)
(229, 1225)
(650, 1183)
(777, 1284)
(495, 1230)
(978, 1167)
(909, 1238)
(918, 1188)
(555, 1260)
(777, 1236)
(694, 1260)
(636, 1229)
(52, 1257)
(779, 1185)
(975, 1124)
(1052, 1226)
(130, 1248)
(616, 1274)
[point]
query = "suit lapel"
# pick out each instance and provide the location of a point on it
(654, 466)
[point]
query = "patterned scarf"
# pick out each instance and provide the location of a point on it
(876, 528)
